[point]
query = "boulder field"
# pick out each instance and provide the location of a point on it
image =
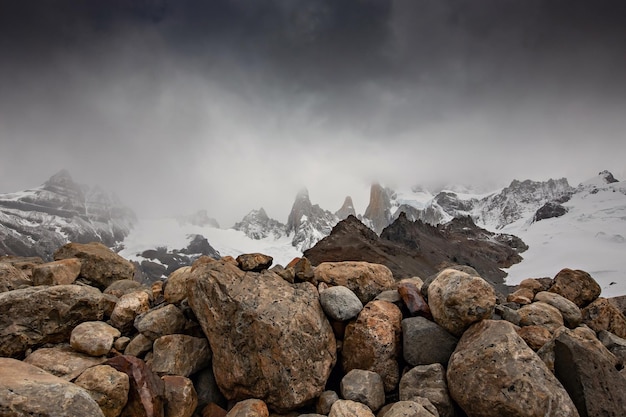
(242, 338)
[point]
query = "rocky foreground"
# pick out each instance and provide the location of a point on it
(232, 337)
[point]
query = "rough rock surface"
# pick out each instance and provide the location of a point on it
(428, 381)
(572, 315)
(107, 386)
(26, 390)
(62, 361)
(540, 314)
(365, 387)
(365, 279)
(325, 402)
(409, 408)
(128, 308)
(160, 321)
(180, 395)
(61, 272)
(270, 339)
(99, 264)
(179, 354)
(457, 300)
(592, 381)
(425, 342)
(249, 408)
(12, 278)
(372, 342)
(603, 315)
(576, 285)
(60, 308)
(176, 285)
(491, 359)
(349, 408)
(255, 262)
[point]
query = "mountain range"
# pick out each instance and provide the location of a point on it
(35, 222)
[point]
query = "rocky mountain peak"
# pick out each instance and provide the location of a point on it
(258, 225)
(608, 177)
(378, 212)
(308, 222)
(346, 209)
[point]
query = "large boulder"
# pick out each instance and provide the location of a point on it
(595, 386)
(372, 342)
(176, 285)
(458, 299)
(410, 408)
(161, 321)
(425, 342)
(365, 387)
(12, 278)
(99, 264)
(58, 310)
(63, 361)
(428, 381)
(180, 354)
(340, 303)
(127, 309)
(26, 390)
(603, 315)
(577, 286)
(181, 396)
(365, 279)
(540, 314)
(349, 408)
(510, 379)
(61, 272)
(94, 338)
(570, 311)
(107, 386)
(270, 339)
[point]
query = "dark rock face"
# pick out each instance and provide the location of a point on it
(378, 212)
(608, 177)
(346, 209)
(417, 249)
(36, 222)
(549, 210)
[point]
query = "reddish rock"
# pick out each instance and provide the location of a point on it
(61, 272)
(535, 336)
(372, 342)
(213, 410)
(249, 408)
(413, 300)
(146, 394)
(577, 286)
(603, 315)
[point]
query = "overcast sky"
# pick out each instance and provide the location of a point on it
(230, 105)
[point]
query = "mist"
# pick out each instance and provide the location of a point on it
(231, 106)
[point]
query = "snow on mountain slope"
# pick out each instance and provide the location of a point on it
(591, 236)
(170, 233)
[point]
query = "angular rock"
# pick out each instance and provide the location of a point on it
(62, 361)
(12, 278)
(577, 286)
(270, 339)
(161, 321)
(457, 300)
(146, 394)
(213, 410)
(603, 315)
(107, 386)
(99, 264)
(123, 286)
(521, 296)
(340, 303)
(128, 308)
(540, 314)
(26, 390)
(572, 315)
(325, 402)
(425, 342)
(121, 343)
(180, 395)
(63, 272)
(592, 381)
(138, 346)
(428, 381)
(207, 389)
(95, 338)
(615, 344)
(372, 342)
(249, 408)
(491, 359)
(348, 408)
(255, 262)
(413, 300)
(60, 308)
(365, 279)
(176, 285)
(302, 268)
(179, 354)
(365, 387)
(409, 408)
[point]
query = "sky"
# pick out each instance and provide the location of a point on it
(233, 105)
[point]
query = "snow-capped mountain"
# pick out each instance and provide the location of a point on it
(257, 225)
(308, 223)
(36, 222)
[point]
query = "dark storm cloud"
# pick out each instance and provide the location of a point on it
(213, 103)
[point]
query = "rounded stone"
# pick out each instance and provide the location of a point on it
(94, 338)
(340, 303)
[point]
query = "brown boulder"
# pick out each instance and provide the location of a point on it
(62, 361)
(458, 299)
(107, 386)
(540, 314)
(249, 408)
(179, 354)
(58, 310)
(494, 373)
(99, 264)
(147, 392)
(365, 279)
(161, 321)
(26, 390)
(349, 408)
(372, 342)
(603, 315)
(270, 339)
(535, 336)
(180, 395)
(176, 285)
(128, 308)
(572, 315)
(12, 278)
(255, 262)
(94, 338)
(61, 272)
(577, 286)
(410, 408)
